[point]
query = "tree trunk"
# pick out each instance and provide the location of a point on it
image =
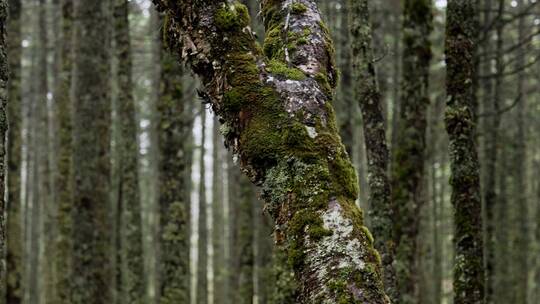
(91, 155)
(520, 166)
(465, 180)
(409, 152)
(492, 125)
(278, 121)
(202, 262)
(4, 77)
(15, 238)
(64, 185)
(369, 99)
(173, 133)
(134, 285)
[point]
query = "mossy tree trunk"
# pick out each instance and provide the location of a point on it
(460, 45)
(15, 238)
(173, 133)
(91, 155)
(4, 76)
(64, 157)
(274, 104)
(134, 286)
(369, 99)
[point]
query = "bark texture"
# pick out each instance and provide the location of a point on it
(15, 238)
(131, 224)
(369, 99)
(274, 104)
(465, 180)
(91, 155)
(409, 152)
(173, 131)
(4, 76)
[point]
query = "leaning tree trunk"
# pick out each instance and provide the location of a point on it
(15, 238)
(369, 98)
(4, 76)
(91, 155)
(459, 118)
(133, 277)
(409, 152)
(276, 115)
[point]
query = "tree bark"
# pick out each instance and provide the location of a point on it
(91, 155)
(465, 180)
(64, 185)
(369, 99)
(173, 133)
(15, 238)
(134, 285)
(278, 121)
(409, 151)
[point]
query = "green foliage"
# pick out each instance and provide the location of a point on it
(298, 8)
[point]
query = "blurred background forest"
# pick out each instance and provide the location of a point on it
(232, 258)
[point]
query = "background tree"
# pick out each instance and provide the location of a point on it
(91, 156)
(465, 180)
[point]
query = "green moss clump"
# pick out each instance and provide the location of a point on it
(232, 17)
(281, 69)
(298, 8)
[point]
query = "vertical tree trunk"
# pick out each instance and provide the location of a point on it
(91, 155)
(4, 77)
(218, 216)
(64, 185)
(15, 238)
(130, 230)
(173, 133)
(369, 99)
(491, 152)
(243, 240)
(202, 262)
(520, 166)
(503, 291)
(409, 152)
(465, 181)
(278, 121)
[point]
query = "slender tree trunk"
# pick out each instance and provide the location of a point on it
(15, 237)
(202, 262)
(465, 180)
(173, 133)
(243, 240)
(91, 155)
(409, 152)
(369, 99)
(218, 216)
(491, 152)
(522, 239)
(4, 93)
(503, 292)
(130, 230)
(64, 185)
(277, 119)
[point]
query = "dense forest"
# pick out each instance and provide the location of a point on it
(270, 151)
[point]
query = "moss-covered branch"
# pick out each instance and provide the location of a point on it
(281, 128)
